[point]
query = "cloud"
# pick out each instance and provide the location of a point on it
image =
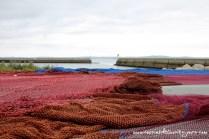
(104, 28)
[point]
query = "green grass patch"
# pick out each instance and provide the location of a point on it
(20, 67)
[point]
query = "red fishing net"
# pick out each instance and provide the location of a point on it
(189, 79)
(88, 119)
(154, 78)
(81, 105)
(197, 105)
(80, 118)
(137, 85)
(23, 91)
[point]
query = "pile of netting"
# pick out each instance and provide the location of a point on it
(93, 106)
(91, 118)
(137, 85)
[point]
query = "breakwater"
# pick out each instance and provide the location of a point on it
(45, 60)
(160, 62)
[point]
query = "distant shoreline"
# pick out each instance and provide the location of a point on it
(44, 60)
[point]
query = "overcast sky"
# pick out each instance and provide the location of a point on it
(104, 28)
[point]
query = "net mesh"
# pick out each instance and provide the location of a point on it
(105, 106)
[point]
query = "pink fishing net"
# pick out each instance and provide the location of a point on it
(19, 93)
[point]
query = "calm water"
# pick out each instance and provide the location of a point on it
(96, 63)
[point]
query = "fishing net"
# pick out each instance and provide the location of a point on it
(92, 106)
(138, 85)
(191, 129)
(21, 92)
(137, 70)
(82, 118)
(90, 118)
(189, 79)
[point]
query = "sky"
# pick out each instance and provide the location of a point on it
(77, 28)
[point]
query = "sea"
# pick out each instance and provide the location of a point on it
(97, 62)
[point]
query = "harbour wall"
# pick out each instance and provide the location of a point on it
(160, 62)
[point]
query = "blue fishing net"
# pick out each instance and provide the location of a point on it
(139, 70)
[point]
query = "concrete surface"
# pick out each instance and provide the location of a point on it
(186, 90)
